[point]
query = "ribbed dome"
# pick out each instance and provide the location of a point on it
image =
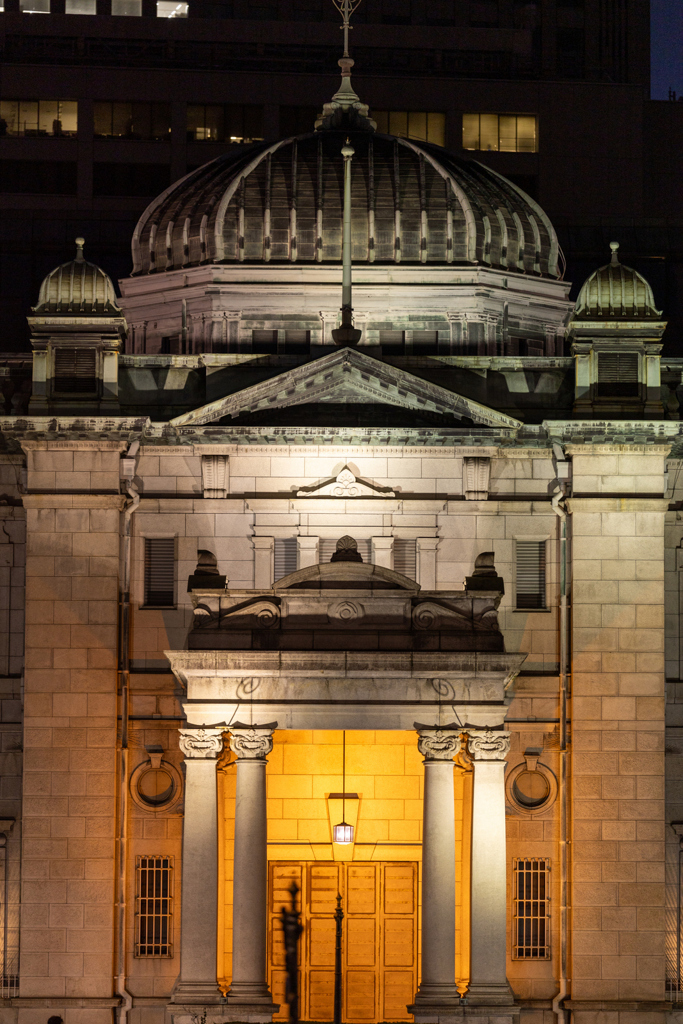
(412, 202)
(616, 292)
(77, 287)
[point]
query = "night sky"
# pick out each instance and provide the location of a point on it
(667, 48)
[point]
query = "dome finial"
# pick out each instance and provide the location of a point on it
(346, 109)
(80, 242)
(614, 246)
(347, 334)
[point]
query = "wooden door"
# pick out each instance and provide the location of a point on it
(379, 964)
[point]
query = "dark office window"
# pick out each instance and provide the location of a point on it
(264, 341)
(297, 120)
(392, 342)
(75, 371)
(261, 11)
(130, 179)
(570, 52)
(297, 342)
(309, 10)
(39, 118)
(284, 556)
(224, 122)
(618, 375)
(150, 121)
(49, 177)
(423, 126)
(160, 572)
(396, 12)
(213, 9)
(530, 581)
(425, 343)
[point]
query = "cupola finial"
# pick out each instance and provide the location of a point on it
(346, 109)
(80, 242)
(614, 246)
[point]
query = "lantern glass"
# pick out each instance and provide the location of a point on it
(342, 834)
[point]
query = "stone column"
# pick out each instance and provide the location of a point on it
(488, 975)
(248, 988)
(263, 562)
(437, 985)
(199, 908)
(426, 562)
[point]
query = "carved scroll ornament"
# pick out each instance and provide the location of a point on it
(201, 744)
(487, 744)
(252, 744)
(438, 744)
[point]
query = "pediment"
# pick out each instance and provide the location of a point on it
(347, 376)
(345, 485)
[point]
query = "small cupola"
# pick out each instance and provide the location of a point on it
(615, 334)
(77, 329)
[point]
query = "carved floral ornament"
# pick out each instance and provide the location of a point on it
(252, 743)
(443, 744)
(487, 744)
(438, 744)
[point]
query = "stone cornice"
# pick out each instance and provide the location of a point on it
(618, 504)
(116, 501)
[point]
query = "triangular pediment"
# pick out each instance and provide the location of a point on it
(346, 376)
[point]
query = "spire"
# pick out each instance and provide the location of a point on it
(345, 111)
(347, 334)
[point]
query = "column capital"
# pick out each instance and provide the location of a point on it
(201, 744)
(438, 742)
(252, 742)
(487, 744)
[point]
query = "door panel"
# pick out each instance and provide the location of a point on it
(379, 939)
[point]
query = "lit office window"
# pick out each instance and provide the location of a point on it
(224, 122)
(34, 6)
(153, 907)
(531, 898)
(150, 121)
(39, 117)
(171, 9)
(127, 8)
(80, 7)
(412, 124)
(507, 133)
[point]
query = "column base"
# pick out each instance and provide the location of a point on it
(490, 995)
(196, 993)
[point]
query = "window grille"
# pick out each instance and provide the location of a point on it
(264, 341)
(392, 342)
(530, 583)
(618, 375)
(405, 557)
(153, 910)
(327, 547)
(285, 556)
(160, 572)
(531, 936)
(75, 371)
(507, 133)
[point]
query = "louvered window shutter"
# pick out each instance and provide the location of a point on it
(530, 574)
(75, 371)
(328, 546)
(285, 556)
(618, 375)
(160, 572)
(405, 557)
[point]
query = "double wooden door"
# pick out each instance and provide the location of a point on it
(379, 965)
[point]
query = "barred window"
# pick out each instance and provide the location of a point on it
(285, 556)
(531, 911)
(160, 572)
(153, 907)
(618, 375)
(530, 582)
(75, 371)
(405, 557)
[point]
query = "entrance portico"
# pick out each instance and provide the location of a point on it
(434, 681)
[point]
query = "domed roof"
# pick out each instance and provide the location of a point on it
(77, 287)
(616, 292)
(412, 202)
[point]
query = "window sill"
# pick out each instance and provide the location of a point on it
(158, 607)
(532, 611)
